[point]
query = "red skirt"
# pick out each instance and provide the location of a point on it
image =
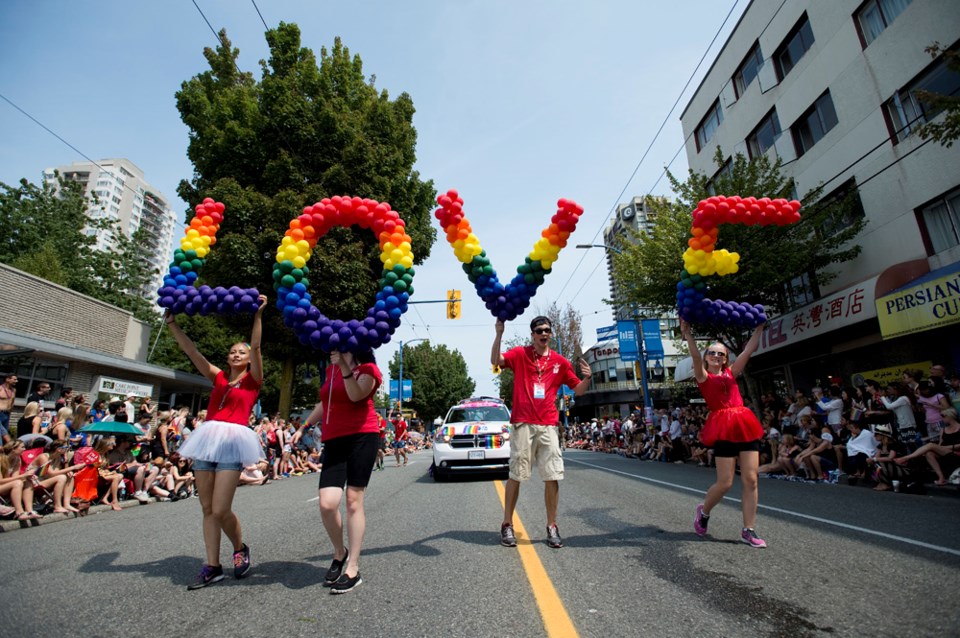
(737, 425)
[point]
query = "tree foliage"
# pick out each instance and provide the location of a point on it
(308, 129)
(439, 376)
(43, 232)
(648, 269)
(946, 130)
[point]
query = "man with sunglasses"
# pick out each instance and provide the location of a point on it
(538, 373)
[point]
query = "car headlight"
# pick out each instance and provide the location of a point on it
(505, 436)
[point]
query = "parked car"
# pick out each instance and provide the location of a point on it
(474, 438)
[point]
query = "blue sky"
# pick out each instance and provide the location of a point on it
(518, 104)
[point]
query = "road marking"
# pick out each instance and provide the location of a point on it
(556, 620)
(825, 521)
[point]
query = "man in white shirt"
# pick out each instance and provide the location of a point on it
(832, 407)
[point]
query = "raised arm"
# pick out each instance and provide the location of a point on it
(186, 344)
(585, 384)
(698, 372)
(495, 357)
(358, 387)
(256, 358)
(737, 367)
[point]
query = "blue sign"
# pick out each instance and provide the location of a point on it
(652, 344)
(627, 336)
(407, 390)
(607, 332)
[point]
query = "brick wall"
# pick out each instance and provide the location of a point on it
(35, 306)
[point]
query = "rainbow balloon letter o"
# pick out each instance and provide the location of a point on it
(291, 271)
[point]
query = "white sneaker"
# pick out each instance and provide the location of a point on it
(141, 496)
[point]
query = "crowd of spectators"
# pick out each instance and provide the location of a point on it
(897, 436)
(48, 465)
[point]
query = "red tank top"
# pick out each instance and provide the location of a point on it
(232, 403)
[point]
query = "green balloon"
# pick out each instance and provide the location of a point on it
(190, 254)
(410, 290)
(286, 265)
(305, 282)
(306, 271)
(399, 269)
(488, 270)
(186, 266)
(297, 272)
(287, 281)
(197, 263)
(399, 285)
(530, 278)
(277, 274)
(391, 277)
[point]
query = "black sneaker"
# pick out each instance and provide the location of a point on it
(336, 569)
(345, 584)
(241, 562)
(208, 575)
(553, 537)
(507, 537)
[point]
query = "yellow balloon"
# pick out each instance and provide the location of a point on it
(286, 241)
(407, 262)
(299, 262)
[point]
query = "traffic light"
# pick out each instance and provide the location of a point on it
(453, 304)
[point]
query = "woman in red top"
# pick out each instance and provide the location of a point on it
(224, 444)
(731, 429)
(350, 435)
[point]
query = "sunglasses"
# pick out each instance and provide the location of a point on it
(715, 353)
(542, 331)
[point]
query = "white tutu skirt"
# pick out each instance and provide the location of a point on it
(222, 442)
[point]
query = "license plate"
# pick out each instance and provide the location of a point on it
(475, 454)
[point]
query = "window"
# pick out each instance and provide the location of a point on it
(940, 222)
(748, 70)
(612, 370)
(905, 109)
(32, 372)
(814, 124)
(726, 171)
(708, 126)
(798, 42)
(875, 16)
(800, 291)
(763, 137)
(846, 198)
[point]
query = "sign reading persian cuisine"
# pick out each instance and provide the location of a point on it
(930, 302)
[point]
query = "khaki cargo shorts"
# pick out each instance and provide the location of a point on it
(538, 443)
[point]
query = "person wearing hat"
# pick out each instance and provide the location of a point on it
(538, 374)
(889, 449)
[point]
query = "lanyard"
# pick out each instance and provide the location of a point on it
(536, 362)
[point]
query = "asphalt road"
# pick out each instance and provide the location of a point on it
(842, 561)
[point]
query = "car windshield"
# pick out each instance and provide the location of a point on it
(490, 413)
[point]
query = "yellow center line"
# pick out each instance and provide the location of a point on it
(556, 620)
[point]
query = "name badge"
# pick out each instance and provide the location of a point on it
(539, 391)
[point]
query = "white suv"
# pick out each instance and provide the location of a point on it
(474, 438)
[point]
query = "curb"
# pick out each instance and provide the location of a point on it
(13, 525)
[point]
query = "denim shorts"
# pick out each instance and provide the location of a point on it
(213, 466)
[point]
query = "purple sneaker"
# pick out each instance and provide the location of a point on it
(748, 536)
(701, 521)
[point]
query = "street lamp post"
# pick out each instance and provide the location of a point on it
(400, 381)
(638, 326)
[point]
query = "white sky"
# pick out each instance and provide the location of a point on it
(518, 104)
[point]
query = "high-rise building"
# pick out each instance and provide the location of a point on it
(117, 190)
(835, 90)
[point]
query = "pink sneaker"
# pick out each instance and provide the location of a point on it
(748, 536)
(700, 522)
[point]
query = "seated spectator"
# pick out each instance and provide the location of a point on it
(888, 450)
(183, 478)
(162, 486)
(122, 460)
(60, 429)
(859, 448)
(313, 460)
(35, 461)
(770, 441)
(830, 402)
(944, 455)
(16, 487)
(31, 422)
(787, 452)
(932, 403)
(255, 474)
(818, 457)
(59, 453)
(108, 488)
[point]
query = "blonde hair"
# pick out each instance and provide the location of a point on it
(9, 462)
(63, 414)
(32, 409)
(163, 418)
(949, 413)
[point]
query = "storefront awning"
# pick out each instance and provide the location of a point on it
(928, 302)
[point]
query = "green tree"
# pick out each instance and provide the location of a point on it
(648, 269)
(44, 231)
(946, 130)
(439, 377)
(308, 129)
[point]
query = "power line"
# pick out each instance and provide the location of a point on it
(652, 142)
(215, 34)
(260, 14)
